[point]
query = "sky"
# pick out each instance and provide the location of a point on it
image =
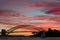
(40, 13)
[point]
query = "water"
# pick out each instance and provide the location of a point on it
(29, 38)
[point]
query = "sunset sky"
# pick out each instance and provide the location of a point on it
(40, 13)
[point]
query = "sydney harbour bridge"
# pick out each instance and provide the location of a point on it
(22, 26)
(25, 38)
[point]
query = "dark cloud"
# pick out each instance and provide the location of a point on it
(9, 13)
(3, 11)
(55, 11)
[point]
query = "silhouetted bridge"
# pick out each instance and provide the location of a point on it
(26, 38)
(11, 30)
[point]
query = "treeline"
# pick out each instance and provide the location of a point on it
(50, 33)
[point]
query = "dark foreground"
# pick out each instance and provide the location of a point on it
(29, 38)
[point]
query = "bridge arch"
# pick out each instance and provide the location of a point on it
(22, 26)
